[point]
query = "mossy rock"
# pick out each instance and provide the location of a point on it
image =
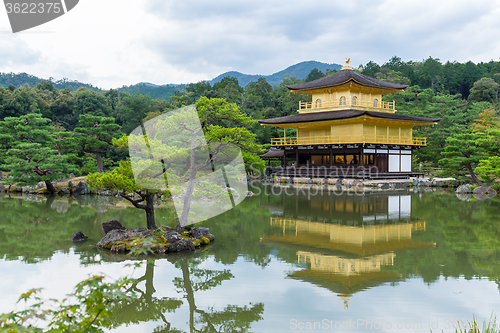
(159, 241)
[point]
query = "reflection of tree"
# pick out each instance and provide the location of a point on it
(467, 237)
(146, 307)
(238, 232)
(232, 319)
(34, 230)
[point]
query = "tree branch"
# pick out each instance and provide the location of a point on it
(134, 202)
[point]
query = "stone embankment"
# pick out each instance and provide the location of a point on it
(374, 184)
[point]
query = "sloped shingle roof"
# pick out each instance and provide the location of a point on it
(343, 76)
(344, 114)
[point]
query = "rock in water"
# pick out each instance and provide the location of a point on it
(81, 188)
(79, 237)
(200, 232)
(464, 189)
(112, 225)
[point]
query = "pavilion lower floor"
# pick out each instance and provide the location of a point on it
(352, 161)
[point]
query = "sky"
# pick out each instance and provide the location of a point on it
(112, 43)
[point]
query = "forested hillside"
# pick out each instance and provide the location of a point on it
(464, 95)
(21, 79)
(155, 91)
(165, 91)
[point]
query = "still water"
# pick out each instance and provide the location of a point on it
(285, 260)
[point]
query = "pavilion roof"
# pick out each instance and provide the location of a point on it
(344, 114)
(273, 153)
(344, 76)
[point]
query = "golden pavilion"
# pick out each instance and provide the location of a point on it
(347, 130)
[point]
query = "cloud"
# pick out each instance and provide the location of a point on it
(186, 41)
(15, 53)
(261, 36)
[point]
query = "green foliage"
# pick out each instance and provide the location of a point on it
(30, 152)
(131, 110)
(253, 163)
(314, 75)
(461, 156)
(97, 134)
(484, 90)
(489, 326)
(89, 102)
(86, 309)
(489, 169)
(121, 178)
(158, 92)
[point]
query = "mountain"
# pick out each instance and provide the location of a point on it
(300, 70)
(18, 80)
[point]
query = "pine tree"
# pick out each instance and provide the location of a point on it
(30, 154)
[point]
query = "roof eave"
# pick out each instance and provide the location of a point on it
(300, 91)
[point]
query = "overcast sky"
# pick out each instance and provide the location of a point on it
(110, 43)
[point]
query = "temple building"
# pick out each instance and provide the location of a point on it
(347, 130)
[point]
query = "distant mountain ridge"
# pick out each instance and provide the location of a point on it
(300, 70)
(19, 80)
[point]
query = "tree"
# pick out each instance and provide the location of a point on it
(489, 169)
(132, 110)
(90, 102)
(30, 154)
(314, 74)
(461, 156)
(485, 89)
(122, 178)
(370, 69)
(487, 119)
(198, 89)
(392, 76)
(97, 135)
(195, 158)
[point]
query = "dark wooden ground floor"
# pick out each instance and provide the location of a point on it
(358, 172)
(354, 161)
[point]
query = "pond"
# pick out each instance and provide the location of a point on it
(287, 259)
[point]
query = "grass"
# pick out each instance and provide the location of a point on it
(489, 326)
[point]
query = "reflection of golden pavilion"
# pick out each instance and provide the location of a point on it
(345, 266)
(345, 276)
(363, 240)
(347, 251)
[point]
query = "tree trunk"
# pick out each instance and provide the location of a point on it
(150, 211)
(183, 220)
(49, 202)
(189, 291)
(100, 168)
(50, 187)
(473, 175)
(150, 289)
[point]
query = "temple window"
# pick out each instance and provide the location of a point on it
(342, 100)
(318, 103)
(375, 103)
(354, 100)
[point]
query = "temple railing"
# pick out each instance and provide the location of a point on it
(322, 140)
(347, 104)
